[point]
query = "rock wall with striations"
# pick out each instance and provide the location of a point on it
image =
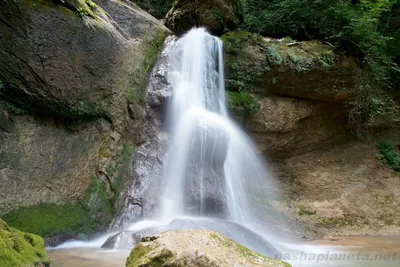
(73, 77)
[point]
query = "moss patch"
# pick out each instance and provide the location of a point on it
(256, 64)
(242, 250)
(98, 202)
(390, 154)
(347, 220)
(138, 257)
(153, 49)
(21, 249)
(49, 220)
(243, 100)
(243, 74)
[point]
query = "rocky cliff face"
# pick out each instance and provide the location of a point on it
(293, 99)
(73, 77)
(281, 89)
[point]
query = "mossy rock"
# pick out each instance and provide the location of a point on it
(49, 220)
(195, 248)
(21, 249)
(306, 69)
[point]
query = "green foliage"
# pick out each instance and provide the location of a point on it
(390, 154)
(370, 107)
(81, 12)
(21, 249)
(366, 29)
(273, 56)
(237, 100)
(82, 7)
(218, 14)
(244, 74)
(50, 219)
(157, 8)
(233, 41)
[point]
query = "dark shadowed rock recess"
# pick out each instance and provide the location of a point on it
(217, 16)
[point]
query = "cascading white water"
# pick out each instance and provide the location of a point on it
(213, 177)
(212, 168)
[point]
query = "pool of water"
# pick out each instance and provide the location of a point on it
(352, 251)
(87, 257)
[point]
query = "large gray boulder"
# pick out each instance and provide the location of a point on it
(196, 248)
(128, 239)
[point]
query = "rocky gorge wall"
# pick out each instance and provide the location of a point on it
(73, 77)
(293, 98)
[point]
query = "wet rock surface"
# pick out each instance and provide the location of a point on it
(141, 198)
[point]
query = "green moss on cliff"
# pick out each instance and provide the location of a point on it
(98, 202)
(239, 100)
(49, 220)
(243, 74)
(21, 249)
(93, 212)
(234, 40)
(153, 48)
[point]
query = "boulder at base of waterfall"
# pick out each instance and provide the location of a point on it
(129, 239)
(217, 16)
(196, 248)
(21, 249)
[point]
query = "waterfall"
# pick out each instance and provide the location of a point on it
(213, 177)
(212, 168)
